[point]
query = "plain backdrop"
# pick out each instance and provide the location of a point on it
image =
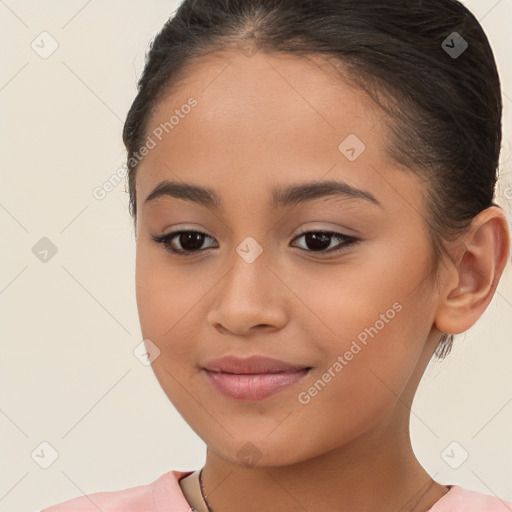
(71, 388)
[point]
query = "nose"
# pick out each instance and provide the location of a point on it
(249, 298)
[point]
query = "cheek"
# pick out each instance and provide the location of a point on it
(166, 313)
(168, 292)
(366, 368)
(370, 325)
(380, 290)
(164, 304)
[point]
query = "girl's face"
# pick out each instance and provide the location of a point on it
(262, 280)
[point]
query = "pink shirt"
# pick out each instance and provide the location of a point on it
(165, 495)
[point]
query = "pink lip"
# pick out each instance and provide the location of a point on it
(254, 386)
(253, 378)
(253, 364)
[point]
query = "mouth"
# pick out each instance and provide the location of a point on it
(251, 365)
(254, 386)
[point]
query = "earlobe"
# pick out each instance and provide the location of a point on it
(486, 248)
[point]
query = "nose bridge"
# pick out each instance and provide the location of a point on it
(248, 277)
(254, 240)
(249, 294)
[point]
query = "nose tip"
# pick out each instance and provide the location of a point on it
(242, 303)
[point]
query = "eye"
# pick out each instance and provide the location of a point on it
(190, 242)
(319, 241)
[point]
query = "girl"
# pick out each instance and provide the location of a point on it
(312, 186)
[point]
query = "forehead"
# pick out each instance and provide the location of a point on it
(270, 88)
(259, 120)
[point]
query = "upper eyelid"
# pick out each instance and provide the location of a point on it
(187, 228)
(350, 238)
(300, 233)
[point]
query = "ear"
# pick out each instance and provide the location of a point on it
(470, 284)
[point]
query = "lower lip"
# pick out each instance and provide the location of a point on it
(255, 386)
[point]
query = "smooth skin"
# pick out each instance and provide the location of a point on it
(273, 120)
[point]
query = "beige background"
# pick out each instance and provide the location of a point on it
(68, 375)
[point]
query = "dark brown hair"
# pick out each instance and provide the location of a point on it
(443, 98)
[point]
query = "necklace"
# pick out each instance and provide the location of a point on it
(421, 495)
(202, 490)
(210, 510)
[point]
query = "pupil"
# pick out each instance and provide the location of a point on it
(191, 241)
(317, 241)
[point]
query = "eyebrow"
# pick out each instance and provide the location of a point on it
(281, 197)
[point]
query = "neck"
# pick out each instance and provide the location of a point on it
(369, 474)
(377, 470)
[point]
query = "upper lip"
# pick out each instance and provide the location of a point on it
(253, 364)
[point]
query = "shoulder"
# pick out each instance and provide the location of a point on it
(157, 496)
(461, 499)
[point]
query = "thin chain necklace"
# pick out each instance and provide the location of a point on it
(202, 490)
(210, 510)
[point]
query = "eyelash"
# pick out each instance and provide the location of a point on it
(165, 240)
